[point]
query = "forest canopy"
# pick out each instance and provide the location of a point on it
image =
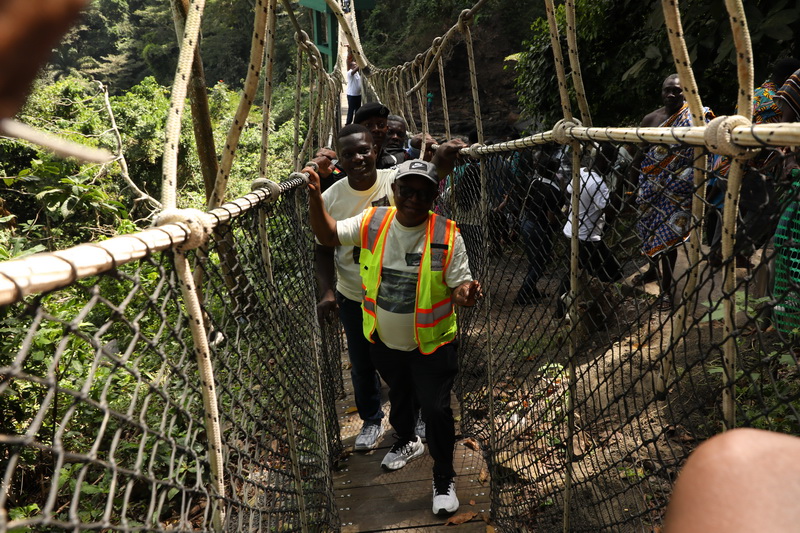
(128, 49)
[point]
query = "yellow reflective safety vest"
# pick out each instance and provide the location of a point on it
(434, 315)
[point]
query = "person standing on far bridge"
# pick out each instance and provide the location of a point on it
(353, 79)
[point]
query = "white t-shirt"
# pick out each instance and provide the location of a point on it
(353, 83)
(397, 293)
(342, 201)
(592, 201)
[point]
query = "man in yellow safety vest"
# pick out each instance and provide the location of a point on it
(414, 271)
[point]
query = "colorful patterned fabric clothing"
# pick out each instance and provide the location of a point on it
(765, 109)
(790, 92)
(665, 189)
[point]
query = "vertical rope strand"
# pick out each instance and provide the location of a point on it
(566, 110)
(245, 103)
(422, 97)
(744, 55)
(266, 106)
(558, 57)
(690, 91)
(172, 128)
(206, 370)
(575, 65)
(443, 90)
(298, 91)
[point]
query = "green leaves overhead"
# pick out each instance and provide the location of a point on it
(625, 55)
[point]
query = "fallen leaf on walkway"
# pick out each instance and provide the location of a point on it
(472, 502)
(460, 518)
(351, 410)
(472, 444)
(483, 477)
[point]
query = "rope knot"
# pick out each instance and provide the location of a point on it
(197, 224)
(273, 188)
(302, 40)
(464, 18)
(719, 139)
(560, 130)
(473, 151)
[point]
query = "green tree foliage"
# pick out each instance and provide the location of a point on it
(625, 55)
(389, 39)
(121, 42)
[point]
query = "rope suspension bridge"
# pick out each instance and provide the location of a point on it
(216, 396)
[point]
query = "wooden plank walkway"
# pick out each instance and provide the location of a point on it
(371, 499)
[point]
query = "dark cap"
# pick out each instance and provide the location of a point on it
(417, 167)
(372, 109)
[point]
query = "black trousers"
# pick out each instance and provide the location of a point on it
(430, 379)
(353, 104)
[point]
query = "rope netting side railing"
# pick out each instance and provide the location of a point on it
(629, 439)
(102, 399)
(594, 383)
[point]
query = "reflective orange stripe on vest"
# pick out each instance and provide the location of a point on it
(431, 317)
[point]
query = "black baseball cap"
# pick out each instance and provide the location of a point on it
(372, 109)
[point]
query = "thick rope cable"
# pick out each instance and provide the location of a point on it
(575, 64)
(201, 118)
(561, 137)
(198, 227)
(298, 91)
(245, 103)
(558, 57)
(690, 91)
(188, 289)
(172, 128)
(744, 55)
(266, 107)
(351, 34)
(443, 90)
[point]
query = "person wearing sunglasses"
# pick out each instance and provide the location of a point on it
(414, 272)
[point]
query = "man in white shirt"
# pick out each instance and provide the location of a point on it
(594, 256)
(353, 79)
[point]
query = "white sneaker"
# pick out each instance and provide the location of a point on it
(419, 429)
(368, 437)
(401, 453)
(445, 501)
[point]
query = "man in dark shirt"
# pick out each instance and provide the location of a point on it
(542, 203)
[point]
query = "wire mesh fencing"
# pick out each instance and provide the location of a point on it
(589, 393)
(102, 411)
